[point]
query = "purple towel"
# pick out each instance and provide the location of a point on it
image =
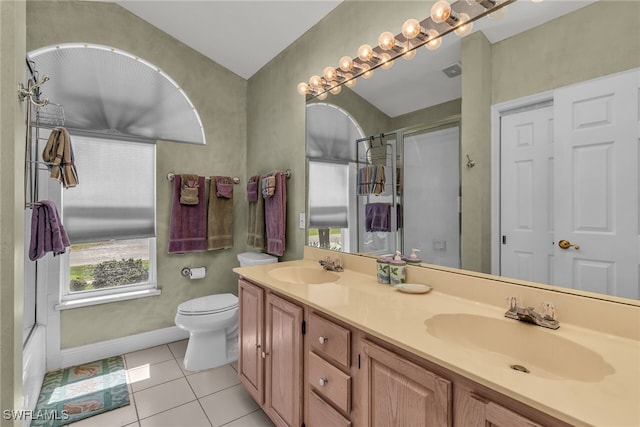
(47, 232)
(188, 224)
(224, 186)
(275, 212)
(378, 217)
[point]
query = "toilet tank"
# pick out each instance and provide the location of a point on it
(255, 258)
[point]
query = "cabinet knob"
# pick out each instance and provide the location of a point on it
(322, 340)
(258, 346)
(264, 355)
(323, 382)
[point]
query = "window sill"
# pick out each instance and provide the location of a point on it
(104, 299)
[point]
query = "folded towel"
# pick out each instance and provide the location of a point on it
(275, 212)
(47, 231)
(379, 180)
(256, 224)
(220, 215)
(224, 186)
(59, 153)
(189, 189)
(252, 188)
(268, 186)
(378, 217)
(188, 223)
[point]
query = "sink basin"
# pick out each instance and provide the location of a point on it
(519, 345)
(304, 275)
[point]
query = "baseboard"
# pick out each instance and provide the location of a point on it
(100, 350)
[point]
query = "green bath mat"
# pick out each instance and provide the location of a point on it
(79, 392)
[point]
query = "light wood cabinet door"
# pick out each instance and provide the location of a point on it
(283, 362)
(397, 392)
(500, 416)
(250, 339)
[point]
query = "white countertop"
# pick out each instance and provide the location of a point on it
(604, 392)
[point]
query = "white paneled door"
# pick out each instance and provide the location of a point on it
(570, 208)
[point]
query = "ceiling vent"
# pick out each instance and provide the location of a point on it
(453, 70)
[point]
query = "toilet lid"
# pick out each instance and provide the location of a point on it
(209, 305)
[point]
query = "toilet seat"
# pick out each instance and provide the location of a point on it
(211, 304)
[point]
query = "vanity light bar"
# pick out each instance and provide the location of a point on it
(445, 18)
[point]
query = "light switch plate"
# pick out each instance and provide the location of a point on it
(301, 221)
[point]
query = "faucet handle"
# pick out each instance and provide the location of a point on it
(513, 302)
(548, 310)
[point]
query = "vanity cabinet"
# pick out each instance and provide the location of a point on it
(397, 392)
(475, 410)
(270, 352)
(328, 373)
(305, 367)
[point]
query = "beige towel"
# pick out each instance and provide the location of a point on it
(189, 189)
(219, 219)
(256, 226)
(58, 152)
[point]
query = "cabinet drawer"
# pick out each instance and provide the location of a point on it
(330, 382)
(329, 339)
(321, 414)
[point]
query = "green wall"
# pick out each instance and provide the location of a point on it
(220, 98)
(12, 130)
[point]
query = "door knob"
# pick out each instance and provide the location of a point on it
(565, 244)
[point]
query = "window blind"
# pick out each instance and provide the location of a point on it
(115, 197)
(328, 195)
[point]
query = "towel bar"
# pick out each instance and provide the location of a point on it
(236, 180)
(170, 176)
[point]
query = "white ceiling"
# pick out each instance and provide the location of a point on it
(222, 31)
(225, 31)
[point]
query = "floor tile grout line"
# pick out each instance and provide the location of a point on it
(166, 410)
(245, 415)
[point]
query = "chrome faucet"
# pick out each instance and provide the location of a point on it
(527, 314)
(327, 264)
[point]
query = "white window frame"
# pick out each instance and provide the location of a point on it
(70, 299)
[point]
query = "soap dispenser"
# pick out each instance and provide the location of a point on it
(413, 258)
(397, 269)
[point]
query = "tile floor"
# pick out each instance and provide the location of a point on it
(162, 393)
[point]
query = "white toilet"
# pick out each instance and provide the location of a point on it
(212, 322)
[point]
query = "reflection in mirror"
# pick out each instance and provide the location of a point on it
(590, 182)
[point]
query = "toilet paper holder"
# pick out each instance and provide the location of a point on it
(186, 271)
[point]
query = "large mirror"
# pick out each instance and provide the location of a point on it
(536, 58)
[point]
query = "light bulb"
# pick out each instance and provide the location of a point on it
(350, 81)
(303, 88)
(323, 96)
(411, 29)
(441, 11)
(367, 72)
(365, 53)
(346, 63)
(464, 29)
(409, 55)
(387, 62)
(315, 82)
(434, 41)
(499, 14)
(387, 40)
(329, 74)
(335, 88)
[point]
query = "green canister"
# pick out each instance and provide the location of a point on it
(382, 265)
